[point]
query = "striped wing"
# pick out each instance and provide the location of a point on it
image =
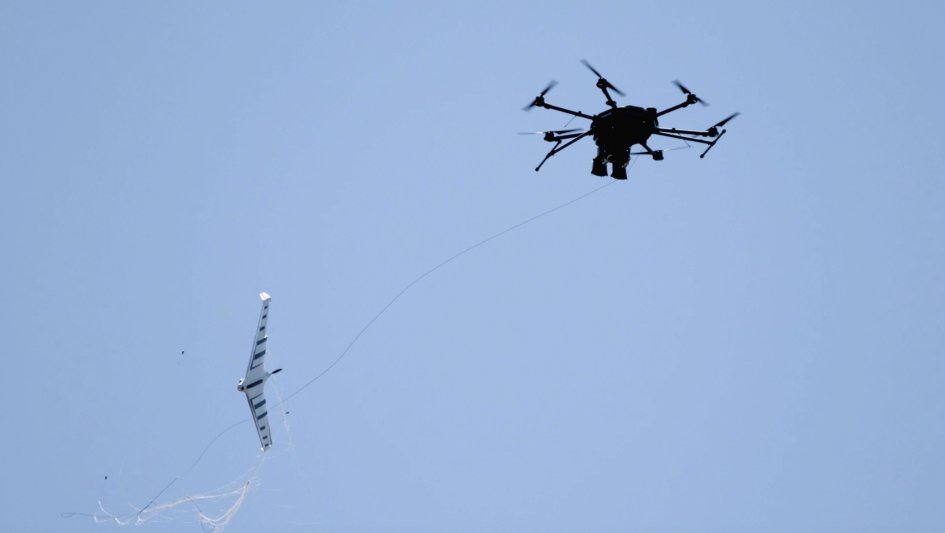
(255, 370)
(256, 376)
(257, 406)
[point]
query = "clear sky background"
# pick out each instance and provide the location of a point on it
(750, 342)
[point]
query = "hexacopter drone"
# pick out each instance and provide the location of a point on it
(617, 129)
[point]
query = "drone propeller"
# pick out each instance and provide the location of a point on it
(554, 135)
(601, 81)
(725, 120)
(541, 96)
(689, 93)
(555, 132)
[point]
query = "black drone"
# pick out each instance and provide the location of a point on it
(617, 129)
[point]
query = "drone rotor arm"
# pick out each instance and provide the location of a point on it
(552, 132)
(610, 100)
(558, 147)
(706, 133)
(565, 110)
(688, 146)
(674, 108)
(680, 137)
(568, 136)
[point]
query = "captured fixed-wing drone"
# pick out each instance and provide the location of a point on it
(254, 382)
(617, 129)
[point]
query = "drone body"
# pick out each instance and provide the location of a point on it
(617, 129)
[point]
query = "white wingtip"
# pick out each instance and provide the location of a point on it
(264, 296)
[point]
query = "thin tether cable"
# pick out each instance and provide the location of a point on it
(431, 271)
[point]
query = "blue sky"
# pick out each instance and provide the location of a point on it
(752, 341)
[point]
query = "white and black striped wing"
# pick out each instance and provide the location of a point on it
(257, 406)
(255, 370)
(256, 376)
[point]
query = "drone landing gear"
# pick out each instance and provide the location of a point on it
(599, 168)
(619, 172)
